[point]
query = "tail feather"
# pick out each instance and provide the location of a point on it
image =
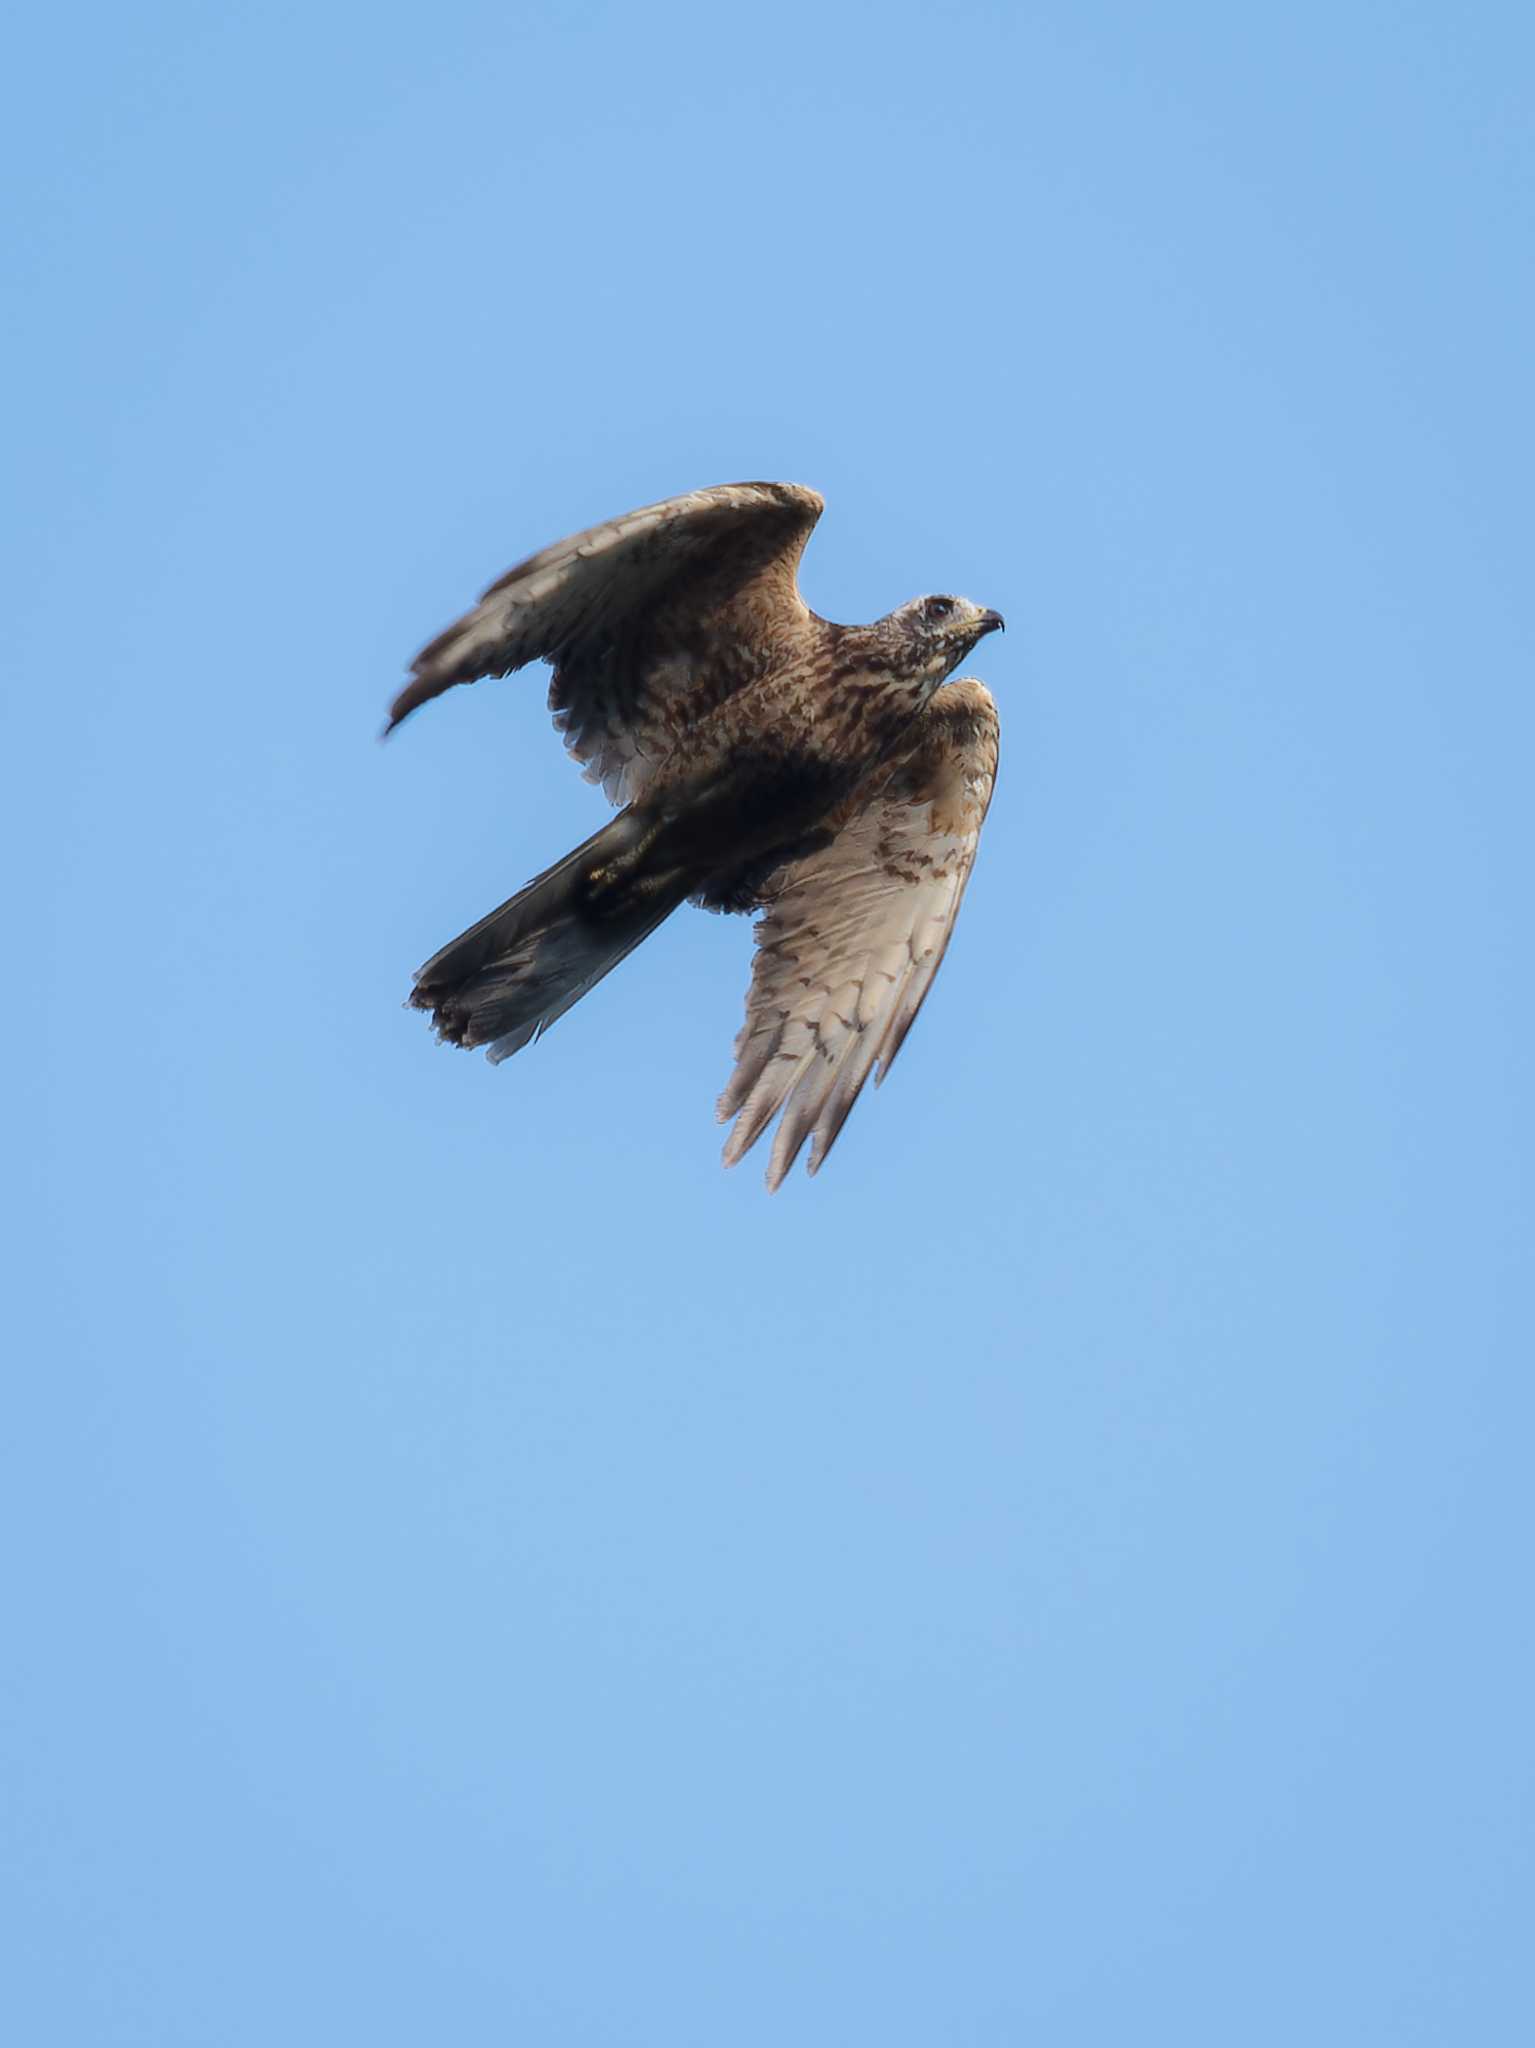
(505, 980)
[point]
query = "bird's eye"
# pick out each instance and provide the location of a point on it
(938, 608)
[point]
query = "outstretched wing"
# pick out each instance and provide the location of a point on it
(853, 935)
(640, 620)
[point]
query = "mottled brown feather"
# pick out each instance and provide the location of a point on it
(852, 936)
(649, 621)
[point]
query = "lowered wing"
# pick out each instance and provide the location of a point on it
(852, 936)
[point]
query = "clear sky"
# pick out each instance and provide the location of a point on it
(476, 1572)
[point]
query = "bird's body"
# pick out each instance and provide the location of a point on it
(765, 758)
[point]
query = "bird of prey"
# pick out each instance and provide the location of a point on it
(826, 776)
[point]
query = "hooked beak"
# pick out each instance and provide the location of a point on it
(993, 622)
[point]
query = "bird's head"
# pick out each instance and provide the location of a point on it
(936, 633)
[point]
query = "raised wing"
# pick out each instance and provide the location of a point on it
(636, 617)
(853, 935)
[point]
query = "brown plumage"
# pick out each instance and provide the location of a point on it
(766, 759)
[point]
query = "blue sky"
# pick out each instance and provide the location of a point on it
(479, 1573)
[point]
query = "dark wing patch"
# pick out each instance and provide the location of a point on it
(852, 936)
(632, 615)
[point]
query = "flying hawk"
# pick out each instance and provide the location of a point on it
(826, 776)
